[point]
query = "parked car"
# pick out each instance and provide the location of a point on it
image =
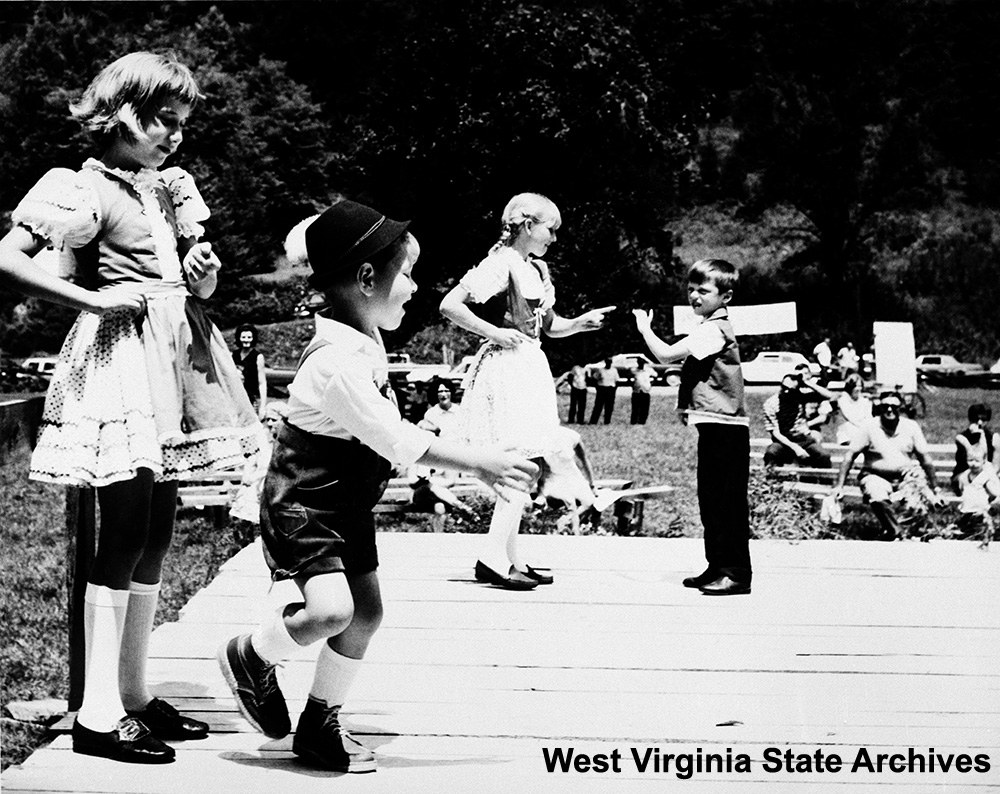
(627, 363)
(938, 367)
(40, 365)
(771, 366)
(16, 379)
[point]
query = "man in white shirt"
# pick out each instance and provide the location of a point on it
(896, 469)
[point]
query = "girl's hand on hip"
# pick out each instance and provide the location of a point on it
(201, 262)
(113, 299)
(643, 320)
(508, 338)
(594, 319)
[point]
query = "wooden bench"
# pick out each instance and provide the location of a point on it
(851, 493)
(941, 456)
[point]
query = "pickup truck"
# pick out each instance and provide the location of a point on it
(626, 364)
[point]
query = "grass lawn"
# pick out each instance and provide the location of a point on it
(33, 644)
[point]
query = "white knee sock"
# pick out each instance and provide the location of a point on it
(142, 599)
(103, 622)
(271, 639)
(506, 523)
(334, 675)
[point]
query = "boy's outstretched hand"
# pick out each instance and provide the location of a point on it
(504, 468)
(643, 319)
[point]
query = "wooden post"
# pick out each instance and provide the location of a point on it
(81, 535)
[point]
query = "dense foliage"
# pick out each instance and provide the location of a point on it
(847, 147)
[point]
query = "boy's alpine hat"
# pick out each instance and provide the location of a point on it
(347, 234)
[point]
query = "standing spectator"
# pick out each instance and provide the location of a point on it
(824, 357)
(856, 409)
(847, 360)
(642, 385)
(896, 468)
(604, 400)
(577, 377)
(784, 417)
(250, 363)
(976, 440)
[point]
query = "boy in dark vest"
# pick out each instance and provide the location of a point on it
(711, 398)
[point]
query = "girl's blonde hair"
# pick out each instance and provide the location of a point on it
(122, 99)
(522, 208)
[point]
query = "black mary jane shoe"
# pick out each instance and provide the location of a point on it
(540, 575)
(130, 742)
(514, 580)
(168, 724)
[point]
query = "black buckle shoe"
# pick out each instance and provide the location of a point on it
(165, 722)
(514, 580)
(254, 684)
(320, 741)
(130, 742)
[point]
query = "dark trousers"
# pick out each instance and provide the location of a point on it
(604, 402)
(723, 478)
(778, 454)
(577, 406)
(640, 407)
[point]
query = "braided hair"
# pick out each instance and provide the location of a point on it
(522, 208)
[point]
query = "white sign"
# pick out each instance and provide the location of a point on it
(895, 356)
(764, 318)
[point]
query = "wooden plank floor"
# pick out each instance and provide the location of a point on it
(843, 647)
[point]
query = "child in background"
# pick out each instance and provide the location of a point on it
(711, 398)
(980, 488)
(509, 396)
(145, 388)
(332, 457)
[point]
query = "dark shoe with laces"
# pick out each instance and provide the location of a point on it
(705, 577)
(724, 586)
(254, 684)
(166, 723)
(130, 742)
(320, 741)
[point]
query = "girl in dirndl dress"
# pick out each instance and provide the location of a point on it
(145, 389)
(510, 398)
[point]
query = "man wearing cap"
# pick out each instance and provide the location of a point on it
(896, 470)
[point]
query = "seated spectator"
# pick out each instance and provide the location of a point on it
(416, 402)
(856, 409)
(792, 441)
(980, 488)
(440, 418)
(896, 473)
(977, 439)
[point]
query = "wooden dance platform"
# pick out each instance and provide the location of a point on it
(844, 648)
